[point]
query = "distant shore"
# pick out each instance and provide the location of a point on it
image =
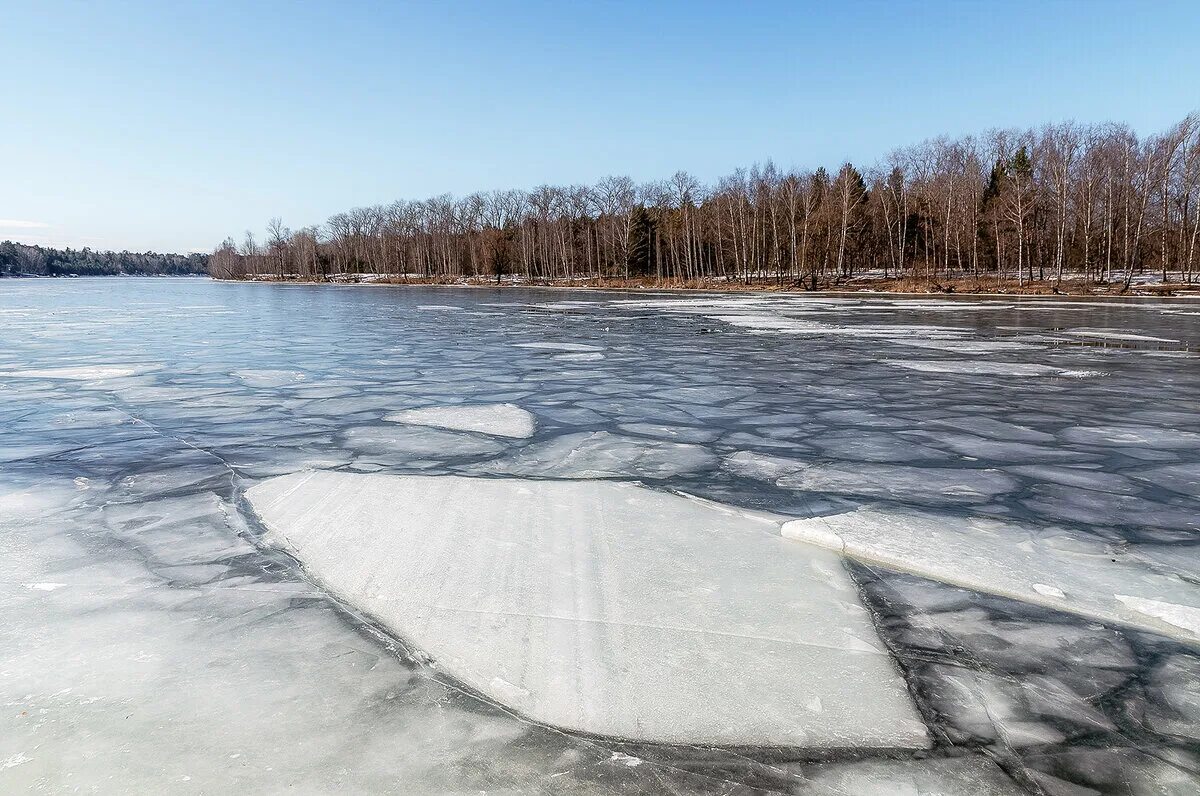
(105, 276)
(965, 286)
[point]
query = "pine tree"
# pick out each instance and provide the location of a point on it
(641, 246)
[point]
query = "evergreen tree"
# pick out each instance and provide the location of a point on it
(641, 242)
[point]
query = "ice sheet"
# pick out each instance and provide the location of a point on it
(605, 608)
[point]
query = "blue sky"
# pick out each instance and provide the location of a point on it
(169, 125)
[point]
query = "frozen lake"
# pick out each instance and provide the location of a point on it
(941, 546)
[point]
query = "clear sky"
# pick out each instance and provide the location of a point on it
(169, 125)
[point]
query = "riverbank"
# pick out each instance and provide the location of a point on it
(965, 286)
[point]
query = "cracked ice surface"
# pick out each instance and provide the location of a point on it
(151, 642)
(605, 608)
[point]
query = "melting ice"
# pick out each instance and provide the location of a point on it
(652, 544)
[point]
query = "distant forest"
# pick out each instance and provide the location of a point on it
(18, 259)
(1091, 202)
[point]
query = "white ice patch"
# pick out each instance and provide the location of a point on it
(606, 608)
(625, 760)
(82, 373)
(585, 356)
(416, 441)
(268, 379)
(12, 761)
(1133, 436)
(1111, 334)
(498, 420)
(559, 346)
(1186, 617)
(898, 482)
(781, 324)
(974, 775)
(1049, 591)
(1033, 565)
(977, 368)
(968, 346)
(942, 485)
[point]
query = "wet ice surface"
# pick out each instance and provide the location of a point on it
(152, 641)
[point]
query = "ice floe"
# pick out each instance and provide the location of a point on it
(545, 346)
(416, 441)
(1116, 334)
(1009, 559)
(269, 378)
(983, 368)
(1139, 436)
(81, 373)
(957, 776)
(602, 454)
(583, 356)
(927, 485)
(498, 420)
(604, 608)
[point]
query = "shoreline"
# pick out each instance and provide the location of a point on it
(950, 290)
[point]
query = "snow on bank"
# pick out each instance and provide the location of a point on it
(1050, 566)
(498, 420)
(605, 608)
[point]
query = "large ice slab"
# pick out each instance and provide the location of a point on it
(1050, 566)
(499, 420)
(605, 608)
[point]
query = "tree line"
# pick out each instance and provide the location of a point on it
(18, 259)
(1093, 202)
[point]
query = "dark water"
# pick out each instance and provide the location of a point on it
(149, 644)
